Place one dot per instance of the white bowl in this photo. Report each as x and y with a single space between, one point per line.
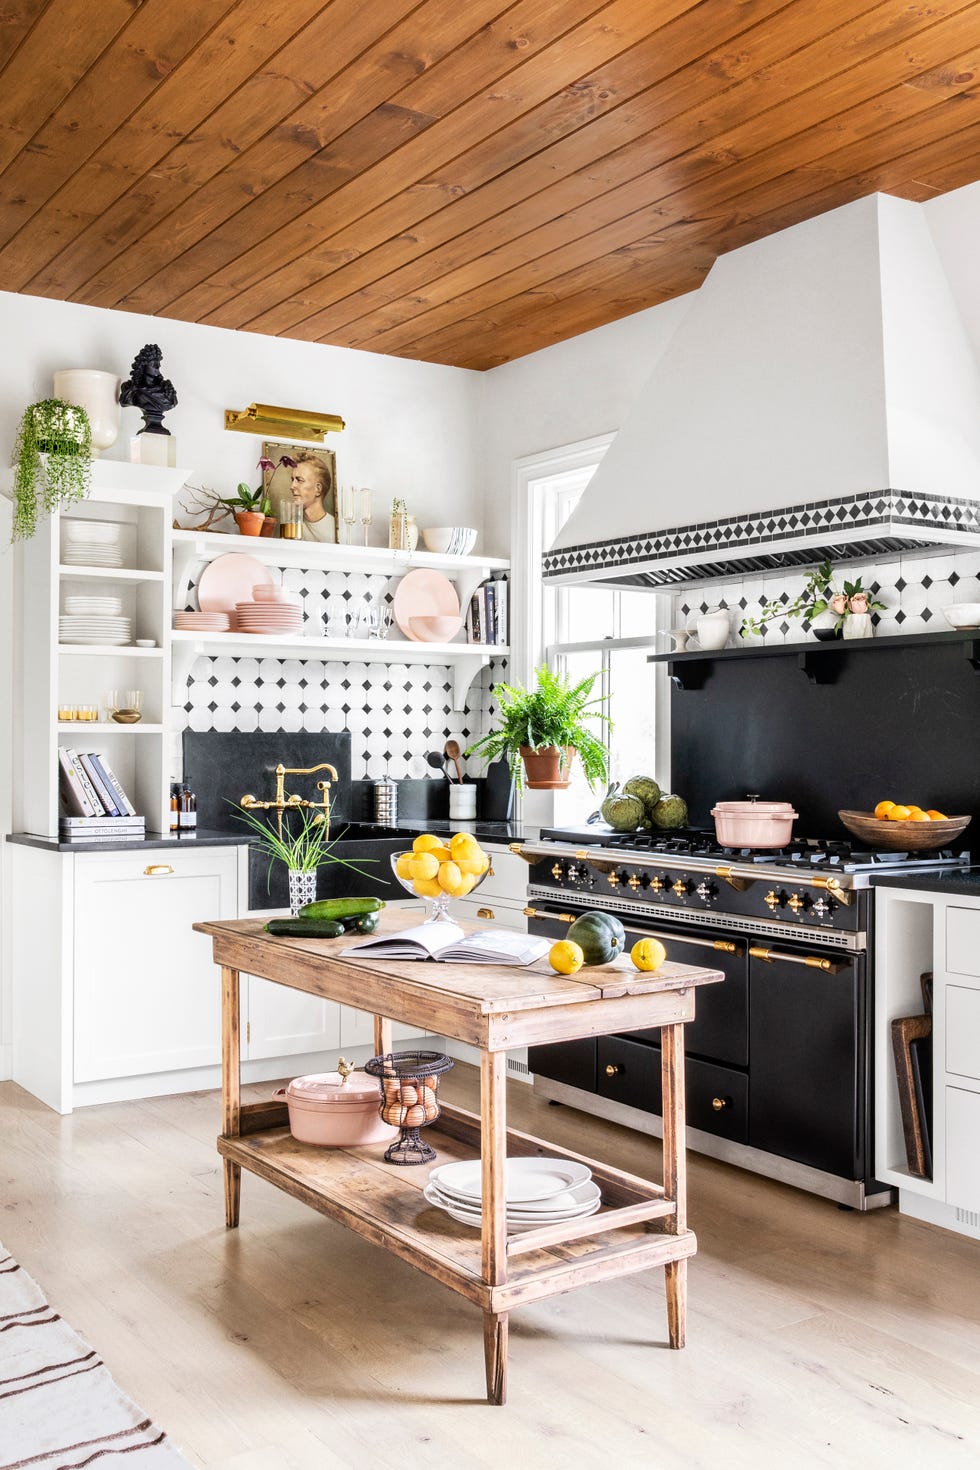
449 540
963 615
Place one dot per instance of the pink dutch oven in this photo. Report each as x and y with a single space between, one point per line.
336 1110
754 823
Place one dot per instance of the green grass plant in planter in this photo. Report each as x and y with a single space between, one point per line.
553 715
52 462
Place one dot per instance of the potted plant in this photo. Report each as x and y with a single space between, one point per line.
540 730
826 611
52 462
300 839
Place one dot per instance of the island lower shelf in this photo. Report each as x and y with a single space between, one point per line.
384 1203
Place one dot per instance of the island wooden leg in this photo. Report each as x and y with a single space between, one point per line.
382 1036
675 1176
231 1087
493 1152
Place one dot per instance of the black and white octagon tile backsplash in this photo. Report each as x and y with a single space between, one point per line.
395 712
914 588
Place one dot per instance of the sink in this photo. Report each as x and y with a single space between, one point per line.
357 842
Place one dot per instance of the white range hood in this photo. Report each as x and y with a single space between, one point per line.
819 399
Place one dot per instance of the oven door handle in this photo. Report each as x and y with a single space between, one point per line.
724 946
810 961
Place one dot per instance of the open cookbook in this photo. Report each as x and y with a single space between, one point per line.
446 941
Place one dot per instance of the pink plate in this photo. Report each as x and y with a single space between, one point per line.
229 579
423 594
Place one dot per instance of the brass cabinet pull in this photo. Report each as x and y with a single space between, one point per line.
614 1069
485 914
721 1103
155 869
832 886
724 946
532 913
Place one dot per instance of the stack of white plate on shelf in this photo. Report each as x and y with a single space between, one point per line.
91 544
204 622
276 619
538 1192
93 629
98 607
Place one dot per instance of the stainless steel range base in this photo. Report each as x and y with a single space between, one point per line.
800 1176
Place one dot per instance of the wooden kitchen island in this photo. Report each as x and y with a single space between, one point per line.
641 1224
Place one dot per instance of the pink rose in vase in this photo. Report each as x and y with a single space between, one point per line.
838 604
859 602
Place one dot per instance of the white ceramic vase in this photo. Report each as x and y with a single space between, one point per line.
858 625
98 394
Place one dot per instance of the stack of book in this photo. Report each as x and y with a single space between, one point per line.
95 806
487 615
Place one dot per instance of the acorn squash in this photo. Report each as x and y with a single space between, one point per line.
600 936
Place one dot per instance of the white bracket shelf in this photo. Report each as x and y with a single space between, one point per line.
465 659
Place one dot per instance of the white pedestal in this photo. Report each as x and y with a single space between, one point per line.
155 449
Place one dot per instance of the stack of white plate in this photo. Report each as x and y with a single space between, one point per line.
216 622
538 1192
278 619
99 607
94 629
91 544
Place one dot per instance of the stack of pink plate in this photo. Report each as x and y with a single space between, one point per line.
280 619
204 622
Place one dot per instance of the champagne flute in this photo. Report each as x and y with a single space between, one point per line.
348 510
365 508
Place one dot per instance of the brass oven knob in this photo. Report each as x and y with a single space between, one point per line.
614 879
656 884
557 870
721 1103
796 903
614 1069
771 899
633 882
680 888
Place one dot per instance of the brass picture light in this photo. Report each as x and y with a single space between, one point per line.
267 418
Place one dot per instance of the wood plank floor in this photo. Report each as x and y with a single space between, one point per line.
815 1337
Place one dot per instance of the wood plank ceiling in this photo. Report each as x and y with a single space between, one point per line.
456 181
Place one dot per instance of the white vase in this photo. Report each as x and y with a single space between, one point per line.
858 625
98 394
302 889
824 625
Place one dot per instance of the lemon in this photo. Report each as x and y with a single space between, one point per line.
403 865
935 816
566 957
467 883
426 842
648 954
423 865
441 854
899 814
476 866
883 808
450 879
427 888
465 845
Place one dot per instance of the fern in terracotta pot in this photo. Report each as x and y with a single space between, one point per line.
52 462
540 730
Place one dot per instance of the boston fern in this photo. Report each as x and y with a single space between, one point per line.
554 713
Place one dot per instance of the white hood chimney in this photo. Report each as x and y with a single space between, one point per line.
820 398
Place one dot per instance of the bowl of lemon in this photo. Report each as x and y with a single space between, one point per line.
441 868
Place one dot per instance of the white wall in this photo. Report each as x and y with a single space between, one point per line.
410 425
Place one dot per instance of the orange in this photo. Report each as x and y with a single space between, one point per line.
883 809
920 816
913 808
899 813
935 816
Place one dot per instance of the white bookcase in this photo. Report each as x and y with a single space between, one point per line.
53 674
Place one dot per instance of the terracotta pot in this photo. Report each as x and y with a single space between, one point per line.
270 526
543 769
250 522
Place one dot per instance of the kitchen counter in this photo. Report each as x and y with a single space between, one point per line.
171 840
952 880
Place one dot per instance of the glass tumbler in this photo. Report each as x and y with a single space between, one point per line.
290 520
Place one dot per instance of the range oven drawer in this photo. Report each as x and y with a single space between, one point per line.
717 1097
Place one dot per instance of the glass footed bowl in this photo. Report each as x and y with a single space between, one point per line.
438 903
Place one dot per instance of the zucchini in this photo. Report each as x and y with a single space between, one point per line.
306 928
362 923
340 908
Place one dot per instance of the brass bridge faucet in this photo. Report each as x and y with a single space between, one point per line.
283 802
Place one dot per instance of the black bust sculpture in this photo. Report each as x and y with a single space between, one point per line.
148 390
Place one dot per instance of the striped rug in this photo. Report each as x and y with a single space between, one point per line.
59 1406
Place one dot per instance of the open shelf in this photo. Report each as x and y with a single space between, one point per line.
819 661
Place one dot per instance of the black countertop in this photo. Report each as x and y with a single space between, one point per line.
155 841
954 880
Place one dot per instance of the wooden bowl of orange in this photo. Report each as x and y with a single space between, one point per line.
912 833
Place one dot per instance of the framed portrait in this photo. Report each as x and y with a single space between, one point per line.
319 470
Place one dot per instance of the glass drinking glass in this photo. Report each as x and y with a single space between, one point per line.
290 520
338 623
66 712
364 506
348 510
124 706
366 620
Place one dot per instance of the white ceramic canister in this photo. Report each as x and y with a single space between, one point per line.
714 628
462 800
98 394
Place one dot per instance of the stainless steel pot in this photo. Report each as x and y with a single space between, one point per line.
754 823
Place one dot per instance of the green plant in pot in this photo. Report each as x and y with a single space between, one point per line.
540 729
52 460
299 838
823 607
